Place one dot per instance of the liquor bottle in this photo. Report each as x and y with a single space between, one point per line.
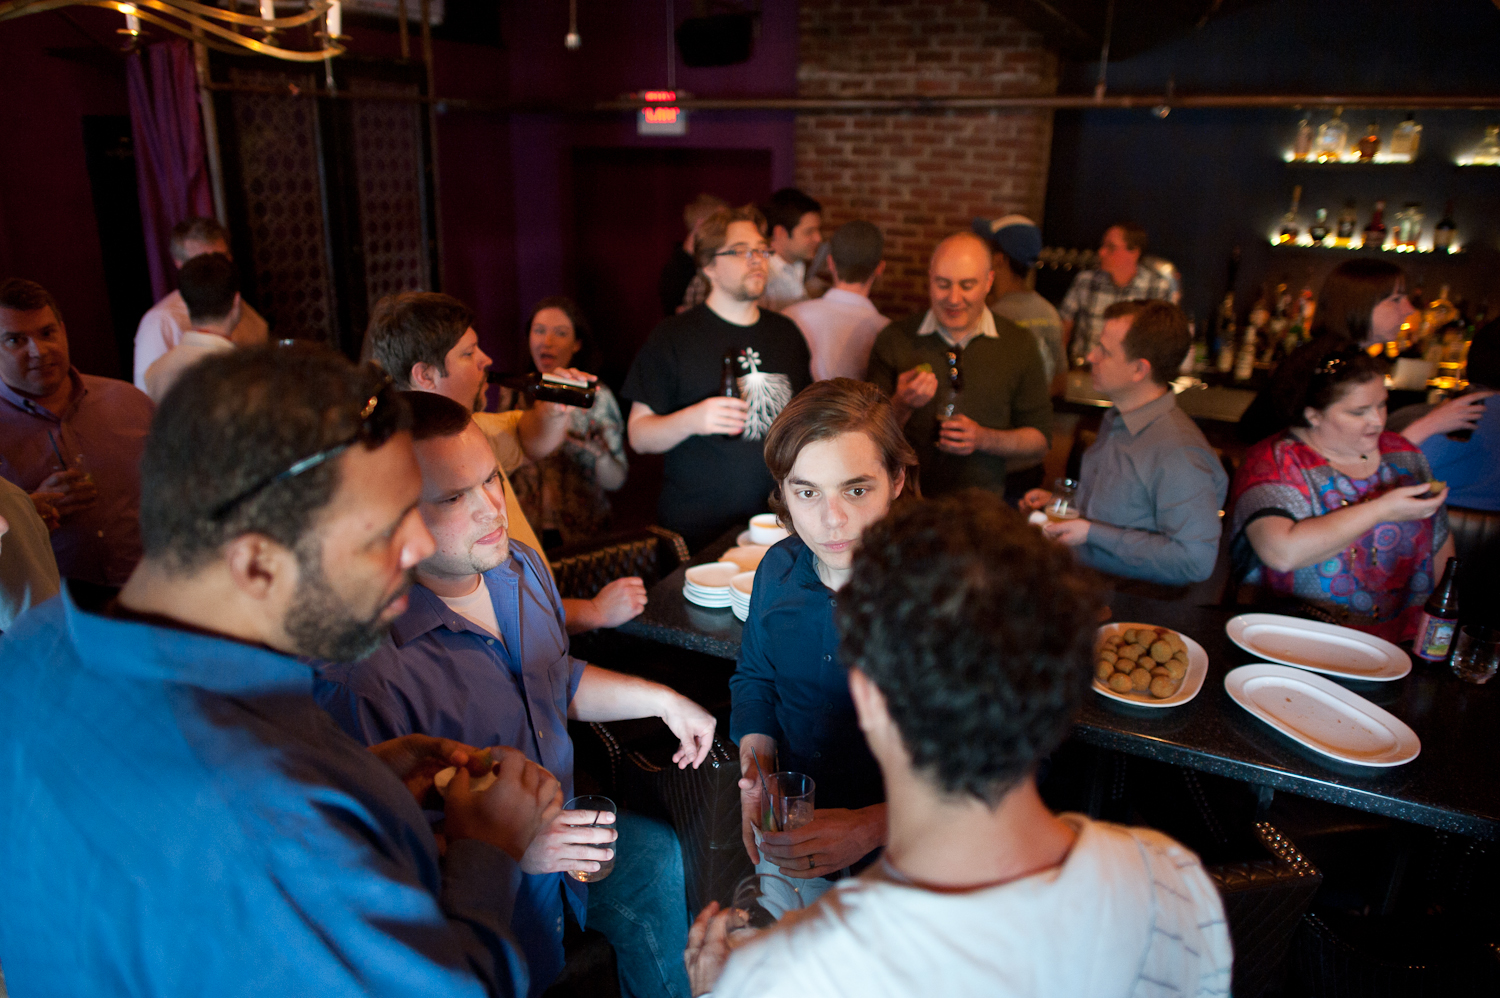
1442 233
729 384
1409 225
1343 236
1319 229
1374 234
1438 314
1303 146
1406 138
547 388
1289 229
1370 144
1488 153
1439 618
1224 334
1333 138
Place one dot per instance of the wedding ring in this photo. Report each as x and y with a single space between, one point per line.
810 863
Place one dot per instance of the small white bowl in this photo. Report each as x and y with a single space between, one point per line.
765 530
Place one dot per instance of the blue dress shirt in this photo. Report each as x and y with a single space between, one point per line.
177 816
789 683
439 674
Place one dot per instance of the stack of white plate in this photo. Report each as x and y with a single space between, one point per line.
747 556
708 585
739 593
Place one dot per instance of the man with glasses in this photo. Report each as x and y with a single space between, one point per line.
184 818
715 474
968 386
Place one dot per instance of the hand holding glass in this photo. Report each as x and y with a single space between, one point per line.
599 805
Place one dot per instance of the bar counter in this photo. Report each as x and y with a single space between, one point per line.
1453 785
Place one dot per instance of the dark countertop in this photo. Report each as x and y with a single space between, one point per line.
1453 785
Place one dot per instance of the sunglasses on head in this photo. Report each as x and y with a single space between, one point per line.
955 373
377 423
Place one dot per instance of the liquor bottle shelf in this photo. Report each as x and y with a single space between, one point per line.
1280 247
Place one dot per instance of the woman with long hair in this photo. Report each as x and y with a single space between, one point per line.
563 495
839 460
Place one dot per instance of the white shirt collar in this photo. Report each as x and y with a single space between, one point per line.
780 266
986 327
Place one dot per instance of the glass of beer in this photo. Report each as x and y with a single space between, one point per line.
1064 504
598 805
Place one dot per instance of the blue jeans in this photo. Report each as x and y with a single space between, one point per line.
642 909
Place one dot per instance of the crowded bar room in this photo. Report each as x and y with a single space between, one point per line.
786 498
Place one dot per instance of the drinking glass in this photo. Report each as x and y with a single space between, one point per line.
601 805
759 900
791 802
1063 505
1476 654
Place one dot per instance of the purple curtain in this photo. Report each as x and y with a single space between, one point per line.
170 170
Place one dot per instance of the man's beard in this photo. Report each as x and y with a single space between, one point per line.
322 625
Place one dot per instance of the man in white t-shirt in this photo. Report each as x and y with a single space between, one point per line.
210 286
840 327
426 342
981 890
162 326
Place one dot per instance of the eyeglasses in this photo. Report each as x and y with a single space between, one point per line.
747 254
955 373
377 424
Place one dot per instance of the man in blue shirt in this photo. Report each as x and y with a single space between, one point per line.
482 655
177 816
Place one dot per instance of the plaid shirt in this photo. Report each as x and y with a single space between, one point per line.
1093 291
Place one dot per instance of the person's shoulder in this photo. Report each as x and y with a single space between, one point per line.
903 328
1395 443
776 324
501 422
121 396
782 556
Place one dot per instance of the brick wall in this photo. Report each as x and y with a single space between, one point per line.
920 175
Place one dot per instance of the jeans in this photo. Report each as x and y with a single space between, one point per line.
642 909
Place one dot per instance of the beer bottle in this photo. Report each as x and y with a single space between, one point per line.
1439 618
729 385
547 388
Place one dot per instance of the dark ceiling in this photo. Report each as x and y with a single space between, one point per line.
1076 28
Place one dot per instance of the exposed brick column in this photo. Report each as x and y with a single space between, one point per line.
920 175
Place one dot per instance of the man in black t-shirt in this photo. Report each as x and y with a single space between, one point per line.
715 473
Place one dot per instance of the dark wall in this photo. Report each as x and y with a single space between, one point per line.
1206 181
48 231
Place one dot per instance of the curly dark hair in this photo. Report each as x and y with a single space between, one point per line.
978 631
232 421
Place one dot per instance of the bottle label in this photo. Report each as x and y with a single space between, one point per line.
1434 637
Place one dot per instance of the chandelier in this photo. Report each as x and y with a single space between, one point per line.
223 30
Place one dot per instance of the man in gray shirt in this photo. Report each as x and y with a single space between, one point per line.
1017 243
1151 487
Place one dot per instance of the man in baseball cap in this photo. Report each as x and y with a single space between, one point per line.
1016 243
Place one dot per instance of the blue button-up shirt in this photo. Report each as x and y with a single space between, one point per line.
789 683
439 674
177 816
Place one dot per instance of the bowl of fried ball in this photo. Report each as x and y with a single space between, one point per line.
1147 665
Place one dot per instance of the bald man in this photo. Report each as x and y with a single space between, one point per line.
967 385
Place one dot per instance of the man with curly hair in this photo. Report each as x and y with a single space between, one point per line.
968 638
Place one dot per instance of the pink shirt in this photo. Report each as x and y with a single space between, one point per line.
106 422
840 329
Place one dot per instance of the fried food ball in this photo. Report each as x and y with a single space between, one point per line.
1108 656
1161 651
1125 665
1103 671
1132 651
1121 683
1160 670
1162 687
1176 669
1140 679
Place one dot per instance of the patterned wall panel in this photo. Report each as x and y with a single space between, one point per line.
278 160
388 158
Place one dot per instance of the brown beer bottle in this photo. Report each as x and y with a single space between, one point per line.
1439 618
547 388
729 385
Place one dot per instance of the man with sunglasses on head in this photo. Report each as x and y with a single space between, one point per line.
967 385
715 474
179 815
